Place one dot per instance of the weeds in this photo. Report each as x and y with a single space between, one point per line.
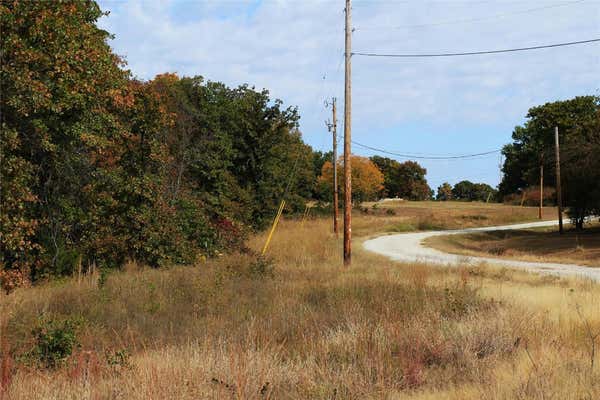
262 267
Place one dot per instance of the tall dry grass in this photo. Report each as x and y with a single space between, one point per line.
230 328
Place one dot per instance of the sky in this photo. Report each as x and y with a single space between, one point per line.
426 106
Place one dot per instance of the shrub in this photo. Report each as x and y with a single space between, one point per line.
262 267
118 360
54 342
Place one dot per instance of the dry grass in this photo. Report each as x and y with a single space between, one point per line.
312 330
530 245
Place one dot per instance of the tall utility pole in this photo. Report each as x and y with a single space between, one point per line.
335 181
558 189
347 139
541 186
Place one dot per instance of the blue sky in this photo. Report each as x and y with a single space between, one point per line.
435 106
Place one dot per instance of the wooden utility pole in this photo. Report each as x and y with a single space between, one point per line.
541 186
558 189
347 139
335 181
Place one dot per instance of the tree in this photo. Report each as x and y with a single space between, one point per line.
581 172
444 192
469 191
61 85
533 143
367 179
406 180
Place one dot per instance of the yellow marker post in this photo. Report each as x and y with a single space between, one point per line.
275 221
305 215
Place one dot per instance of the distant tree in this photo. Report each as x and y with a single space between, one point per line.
367 179
469 191
463 190
484 192
406 180
444 192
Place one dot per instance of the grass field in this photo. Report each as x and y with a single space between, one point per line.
545 245
300 326
405 216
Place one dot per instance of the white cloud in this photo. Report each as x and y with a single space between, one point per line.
288 46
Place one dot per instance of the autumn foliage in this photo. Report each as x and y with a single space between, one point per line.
367 179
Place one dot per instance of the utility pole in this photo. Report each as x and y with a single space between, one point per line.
347 139
335 181
541 186
558 189
332 127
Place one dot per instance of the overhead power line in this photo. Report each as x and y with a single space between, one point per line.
404 155
469 20
473 53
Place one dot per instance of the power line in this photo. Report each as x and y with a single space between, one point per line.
472 53
469 20
426 157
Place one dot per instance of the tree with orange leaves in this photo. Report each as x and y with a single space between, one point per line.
367 179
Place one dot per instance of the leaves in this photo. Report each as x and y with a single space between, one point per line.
367 179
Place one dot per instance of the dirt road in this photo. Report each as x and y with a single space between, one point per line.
408 247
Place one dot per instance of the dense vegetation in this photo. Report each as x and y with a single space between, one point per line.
98 167
578 121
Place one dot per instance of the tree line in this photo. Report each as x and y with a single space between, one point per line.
374 178
98 167
466 191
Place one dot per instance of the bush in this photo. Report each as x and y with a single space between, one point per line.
262 267
54 342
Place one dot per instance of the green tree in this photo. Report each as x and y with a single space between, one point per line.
469 191
406 180
60 87
533 143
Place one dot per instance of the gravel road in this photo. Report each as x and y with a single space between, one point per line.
408 247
